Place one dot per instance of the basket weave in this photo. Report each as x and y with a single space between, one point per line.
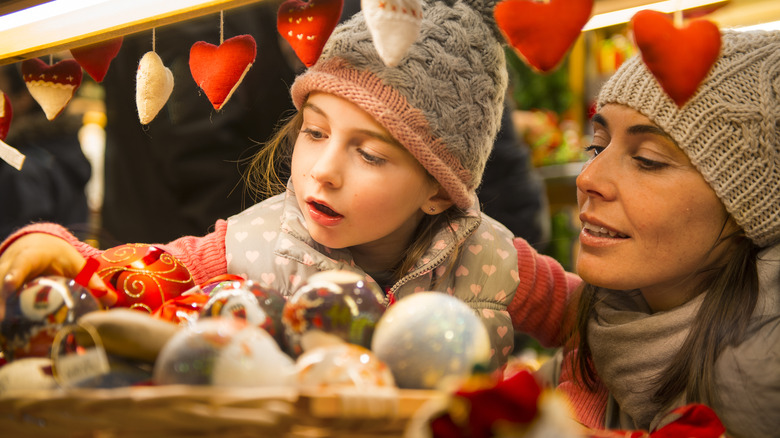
187 411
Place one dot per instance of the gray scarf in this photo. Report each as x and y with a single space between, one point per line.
632 346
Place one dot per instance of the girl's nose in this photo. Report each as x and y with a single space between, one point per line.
327 167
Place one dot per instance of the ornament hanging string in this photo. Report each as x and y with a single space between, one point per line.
154 39
678 14
221 27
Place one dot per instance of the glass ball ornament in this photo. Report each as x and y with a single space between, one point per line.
332 304
248 300
222 352
342 364
429 337
38 310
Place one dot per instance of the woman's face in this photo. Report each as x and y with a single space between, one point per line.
650 221
357 187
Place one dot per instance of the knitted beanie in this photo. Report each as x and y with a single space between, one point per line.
442 101
730 129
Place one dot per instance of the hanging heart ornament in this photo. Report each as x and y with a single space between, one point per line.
6 114
218 70
153 86
678 58
394 26
542 32
307 25
96 58
51 86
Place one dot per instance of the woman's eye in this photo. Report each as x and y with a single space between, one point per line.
313 133
593 150
647 164
370 159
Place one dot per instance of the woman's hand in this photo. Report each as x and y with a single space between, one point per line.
37 254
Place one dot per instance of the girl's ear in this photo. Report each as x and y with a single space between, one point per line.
437 203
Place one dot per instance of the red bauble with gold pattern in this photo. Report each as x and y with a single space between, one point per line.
144 276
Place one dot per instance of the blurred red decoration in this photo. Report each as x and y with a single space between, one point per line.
144 276
679 58
6 114
96 58
542 32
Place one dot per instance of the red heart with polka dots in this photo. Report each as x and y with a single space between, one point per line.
219 70
95 58
542 33
307 25
678 58
51 86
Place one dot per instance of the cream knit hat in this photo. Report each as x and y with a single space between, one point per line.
730 129
443 101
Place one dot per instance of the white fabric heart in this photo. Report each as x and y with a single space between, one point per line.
154 84
394 26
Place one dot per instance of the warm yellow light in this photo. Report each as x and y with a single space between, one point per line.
624 15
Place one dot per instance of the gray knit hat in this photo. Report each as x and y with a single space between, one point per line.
730 129
442 101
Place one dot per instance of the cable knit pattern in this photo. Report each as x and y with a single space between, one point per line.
730 129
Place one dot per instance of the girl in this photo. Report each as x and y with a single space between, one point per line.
384 165
680 249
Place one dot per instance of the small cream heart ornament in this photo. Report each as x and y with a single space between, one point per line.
153 87
394 26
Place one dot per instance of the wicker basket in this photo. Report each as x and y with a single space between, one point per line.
179 411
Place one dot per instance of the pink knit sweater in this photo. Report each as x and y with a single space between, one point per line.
543 307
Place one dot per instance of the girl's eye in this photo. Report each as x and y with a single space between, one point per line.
313 133
370 159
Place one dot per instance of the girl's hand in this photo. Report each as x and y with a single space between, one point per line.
37 254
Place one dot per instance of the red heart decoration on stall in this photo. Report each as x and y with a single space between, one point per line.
6 114
308 25
542 33
218 70
678 58
95 58
51 86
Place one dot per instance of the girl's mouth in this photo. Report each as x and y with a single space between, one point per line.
323 215
324 209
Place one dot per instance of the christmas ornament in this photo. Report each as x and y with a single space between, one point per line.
340 365
27 374
428 337
184 309
38 311
51 86
679 58
307 25
96 58
153 87
144 276
542 32
332 306
394 26
244 299
218 70
223 352
6 114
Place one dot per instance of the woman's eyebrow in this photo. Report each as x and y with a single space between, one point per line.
649 129
598 118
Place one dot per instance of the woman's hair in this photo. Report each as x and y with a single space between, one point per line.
267 173
722 320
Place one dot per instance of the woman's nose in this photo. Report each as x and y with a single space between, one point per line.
596 179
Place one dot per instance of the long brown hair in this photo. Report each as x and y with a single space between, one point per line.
722 320
267 173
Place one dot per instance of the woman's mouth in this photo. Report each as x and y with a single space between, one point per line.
599 231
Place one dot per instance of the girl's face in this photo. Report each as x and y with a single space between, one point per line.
357 187
650 221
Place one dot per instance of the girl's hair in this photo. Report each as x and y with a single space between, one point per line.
267 173
722 320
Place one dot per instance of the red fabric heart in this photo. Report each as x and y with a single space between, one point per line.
51 86
218 70
542 33
95 58
679 58
308 25
6 114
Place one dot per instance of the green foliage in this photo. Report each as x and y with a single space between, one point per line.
532 90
